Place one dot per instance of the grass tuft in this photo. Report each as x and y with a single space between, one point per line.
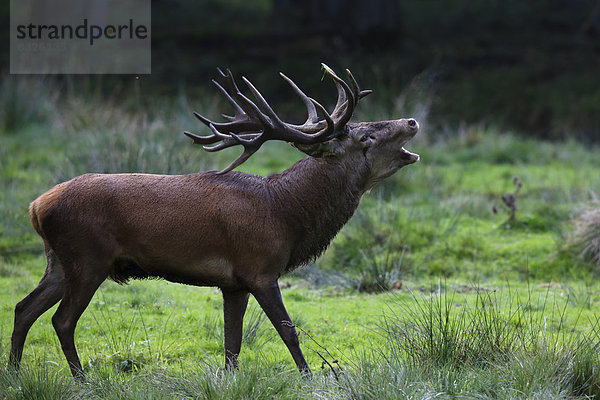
433 332
44 382
587 235
380 274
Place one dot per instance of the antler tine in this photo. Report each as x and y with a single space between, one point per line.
342 99
345 105
358 94
330 124
203 119
364 93
236 106
204 140
262 102
249 108
355 89
238 161
227 76
208 122
313 118
240 122
251 144
230 139
250 147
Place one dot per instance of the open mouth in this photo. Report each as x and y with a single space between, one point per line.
409 157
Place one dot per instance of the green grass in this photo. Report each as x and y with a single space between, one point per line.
425 293
448 340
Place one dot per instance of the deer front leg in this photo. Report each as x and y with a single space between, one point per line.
234 307
269 298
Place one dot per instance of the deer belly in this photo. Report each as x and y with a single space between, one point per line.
206 272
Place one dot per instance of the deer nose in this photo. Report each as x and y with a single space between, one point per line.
413 126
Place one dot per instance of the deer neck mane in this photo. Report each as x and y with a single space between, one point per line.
316 197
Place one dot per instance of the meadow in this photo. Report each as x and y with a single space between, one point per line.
432 290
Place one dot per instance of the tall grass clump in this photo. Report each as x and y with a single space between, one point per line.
434 332
587 235
503 348
42 382
380 273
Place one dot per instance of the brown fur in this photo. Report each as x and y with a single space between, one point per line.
40 207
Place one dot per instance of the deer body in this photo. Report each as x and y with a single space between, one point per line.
138 221
236 231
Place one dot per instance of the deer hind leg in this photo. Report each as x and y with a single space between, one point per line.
234 308
78 293
48 292
269 298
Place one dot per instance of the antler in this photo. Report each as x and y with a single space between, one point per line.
254 123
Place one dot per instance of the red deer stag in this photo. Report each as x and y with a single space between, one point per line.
233 230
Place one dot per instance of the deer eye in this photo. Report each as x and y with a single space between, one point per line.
365 137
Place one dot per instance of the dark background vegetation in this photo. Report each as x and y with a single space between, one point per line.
529 66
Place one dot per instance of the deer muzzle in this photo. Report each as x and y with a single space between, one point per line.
409 128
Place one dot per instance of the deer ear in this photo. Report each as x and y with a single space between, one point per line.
318 150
